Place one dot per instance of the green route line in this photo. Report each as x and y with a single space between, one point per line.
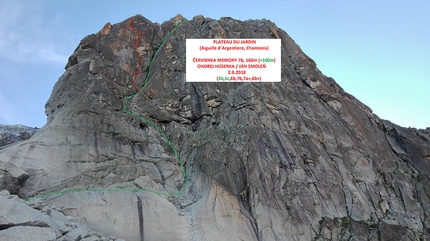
184 187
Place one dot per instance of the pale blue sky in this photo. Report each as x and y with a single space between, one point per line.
378 51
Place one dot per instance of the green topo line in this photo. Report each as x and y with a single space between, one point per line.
184 187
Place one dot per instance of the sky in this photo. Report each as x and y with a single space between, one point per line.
378 51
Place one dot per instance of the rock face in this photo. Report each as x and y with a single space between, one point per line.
296 160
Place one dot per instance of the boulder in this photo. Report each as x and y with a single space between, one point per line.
12 178
14 212
25 233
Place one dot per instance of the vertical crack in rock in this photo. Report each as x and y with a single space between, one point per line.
195 103
141 223
284 152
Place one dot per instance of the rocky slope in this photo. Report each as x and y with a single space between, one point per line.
13 133
13 178
296 160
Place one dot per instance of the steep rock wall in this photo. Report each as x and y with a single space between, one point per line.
296 160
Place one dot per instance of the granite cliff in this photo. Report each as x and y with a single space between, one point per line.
296 160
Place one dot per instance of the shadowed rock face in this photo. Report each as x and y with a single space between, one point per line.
296 160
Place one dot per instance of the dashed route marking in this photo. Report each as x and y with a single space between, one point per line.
124 103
